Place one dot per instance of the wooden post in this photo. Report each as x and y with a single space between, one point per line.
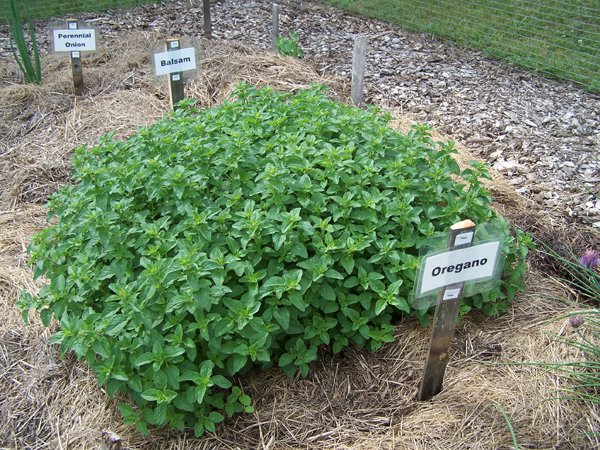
275 25
207 20
110 441
73 24
358 68
444 320
175 79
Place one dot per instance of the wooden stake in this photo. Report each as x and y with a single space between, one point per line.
207 20
275 25
358 68
444 320
175 79
73 24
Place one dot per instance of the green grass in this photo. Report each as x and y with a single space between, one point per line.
557 38
42 9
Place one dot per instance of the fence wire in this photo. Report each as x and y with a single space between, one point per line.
557 38
42 9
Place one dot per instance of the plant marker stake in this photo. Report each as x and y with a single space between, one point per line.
207 21
73 24
275 25
175 79
444 320
358 68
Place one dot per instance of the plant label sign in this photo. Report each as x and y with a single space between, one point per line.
472 264
74 40
175 61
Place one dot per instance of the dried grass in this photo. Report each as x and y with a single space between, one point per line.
354 400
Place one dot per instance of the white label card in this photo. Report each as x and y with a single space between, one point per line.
81 40
175 61
457 266
451 294
464 238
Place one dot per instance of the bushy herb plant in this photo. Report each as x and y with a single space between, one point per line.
249 234
289 46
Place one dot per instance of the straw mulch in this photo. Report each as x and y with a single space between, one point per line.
354 400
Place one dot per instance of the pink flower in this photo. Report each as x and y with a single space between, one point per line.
576 321
590 259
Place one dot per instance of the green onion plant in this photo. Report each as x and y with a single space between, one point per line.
27 60
582 331
581 274
583 373
509 425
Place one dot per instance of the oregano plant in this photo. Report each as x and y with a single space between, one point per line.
248 234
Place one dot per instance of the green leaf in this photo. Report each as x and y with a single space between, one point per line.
209 426
347 263
151 394
185 405
173 374
375 276
142 428
135 383
401 304
59 283
198 429
238 362
146 358
160 414
297 300
245 400
221 381
200 392
282 315
334 274
215 417
160 379
298 249
46 315
286 359
380 305
159 395
327 292
376 285
113 386
351 282
127 410
177 421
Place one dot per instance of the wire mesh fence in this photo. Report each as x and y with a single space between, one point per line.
557 38
41 9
